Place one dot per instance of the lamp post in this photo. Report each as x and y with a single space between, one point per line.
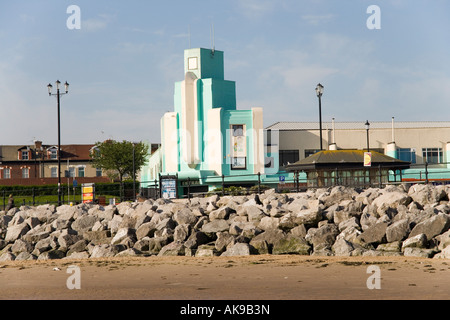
319 92
367 125
58 95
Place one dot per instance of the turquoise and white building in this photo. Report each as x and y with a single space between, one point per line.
206 137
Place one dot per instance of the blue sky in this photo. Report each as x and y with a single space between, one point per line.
123 62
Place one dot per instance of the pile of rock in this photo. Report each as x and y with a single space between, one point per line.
340 221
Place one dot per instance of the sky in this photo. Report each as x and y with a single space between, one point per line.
124 59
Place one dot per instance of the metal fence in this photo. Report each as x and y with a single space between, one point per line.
108 193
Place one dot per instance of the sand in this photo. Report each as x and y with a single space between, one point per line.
262 277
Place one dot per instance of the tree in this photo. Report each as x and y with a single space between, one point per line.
120 159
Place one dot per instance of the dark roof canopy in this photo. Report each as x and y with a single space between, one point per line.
351 159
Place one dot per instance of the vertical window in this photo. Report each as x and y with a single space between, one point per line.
239 147
25 173
25 155
288 156
81 172
432 155
406 154
7 173
53 153
238 130
98 172
54 172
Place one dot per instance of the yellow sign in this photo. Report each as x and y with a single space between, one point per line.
367 159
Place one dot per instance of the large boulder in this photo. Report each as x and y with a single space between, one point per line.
14 232
375 234
427 194
291 245
433 226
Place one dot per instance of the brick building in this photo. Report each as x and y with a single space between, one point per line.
37 164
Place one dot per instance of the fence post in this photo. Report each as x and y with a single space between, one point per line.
259 182
223 185
380 176
426 172
32 191
189 188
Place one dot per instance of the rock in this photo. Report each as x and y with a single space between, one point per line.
7 256
98 237
105 250
146 230
155 244
375 234
185 216
342 247
418 252
322 237
433 226
427 194
291 245
83 223
51 255
122 234
181 232
239 249
196 239
174 248
217 225
267 223
398 231
16 231
24 256
21 246
223 240
221 213
130 252
418 241
395 246
206 250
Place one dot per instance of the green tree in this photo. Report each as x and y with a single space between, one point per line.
120 159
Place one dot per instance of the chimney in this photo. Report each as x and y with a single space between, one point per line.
38 144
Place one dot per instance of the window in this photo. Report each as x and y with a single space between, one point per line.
53 153
238 163
406 154
310 152
25 173
432 155
193 63
269 163
54 172
98 172
288 156
25 155
7 173
238 130
81 172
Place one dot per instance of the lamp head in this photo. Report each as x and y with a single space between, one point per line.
319 90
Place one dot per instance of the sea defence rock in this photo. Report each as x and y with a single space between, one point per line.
341 221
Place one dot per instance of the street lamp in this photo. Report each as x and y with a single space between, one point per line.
58 94
319 92
367 125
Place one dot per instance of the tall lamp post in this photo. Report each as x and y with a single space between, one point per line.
367 125
319 92
58 94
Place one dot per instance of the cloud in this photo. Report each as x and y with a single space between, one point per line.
255 9
97 24
316 20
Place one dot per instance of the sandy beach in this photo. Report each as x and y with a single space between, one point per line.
261 277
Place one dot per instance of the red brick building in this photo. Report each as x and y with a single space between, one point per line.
38 164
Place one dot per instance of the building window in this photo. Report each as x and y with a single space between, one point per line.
81 172
53 153
238 163
25 173
54 172
406 154
310 152
192 63
269 163
238 130
25 155
288 156
7 173
432 155
98 172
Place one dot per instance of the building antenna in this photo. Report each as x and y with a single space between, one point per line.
189 35
213 46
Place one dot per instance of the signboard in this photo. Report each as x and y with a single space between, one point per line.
169 188
88 192
367 159
282 179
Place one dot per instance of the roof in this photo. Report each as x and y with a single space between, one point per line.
360 125
346 159
79 152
